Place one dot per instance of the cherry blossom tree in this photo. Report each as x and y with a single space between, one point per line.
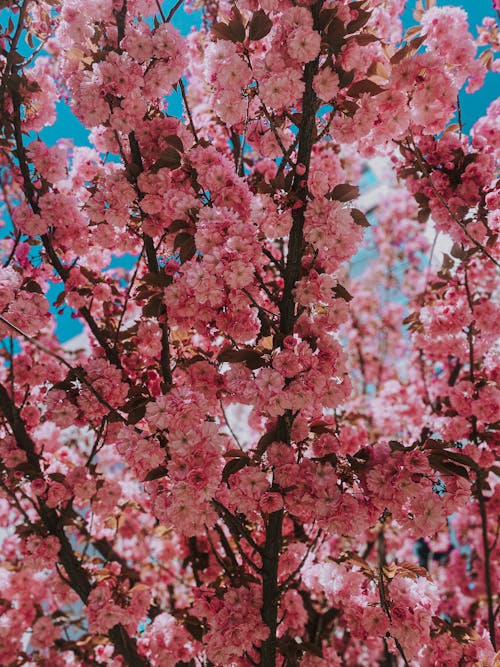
266 452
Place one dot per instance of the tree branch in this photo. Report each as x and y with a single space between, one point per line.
29 191
153 266
274 522
77 576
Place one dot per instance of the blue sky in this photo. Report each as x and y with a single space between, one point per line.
473 106
67 125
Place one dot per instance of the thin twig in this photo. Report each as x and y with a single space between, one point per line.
487 561
235 437
231 520
239 163
423 165
459 117
291 577
161 11
17 503
79 374
188 111
173 10
127 298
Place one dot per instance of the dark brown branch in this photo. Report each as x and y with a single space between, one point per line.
487 560
127 298
277 262
10 67
241 551
299 190
286 158
235 526
77 576
151 260
236 141
16 502
17 233
171 13
274 522
127 647
227 548
30 194
381 559
480 477
120 17
381 562
160 11
188 111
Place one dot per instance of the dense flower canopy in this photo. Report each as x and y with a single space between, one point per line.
264 452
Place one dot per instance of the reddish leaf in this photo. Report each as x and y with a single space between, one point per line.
233 31
260 25
365 38
233 467
362 18
359 217
344 192
342 293
345 78
264 443
136 415
365 86
169 158
177 225
186 245
176 142
156 473
325 17
250 357
154 306
408 50
30 285
334 35
447 467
